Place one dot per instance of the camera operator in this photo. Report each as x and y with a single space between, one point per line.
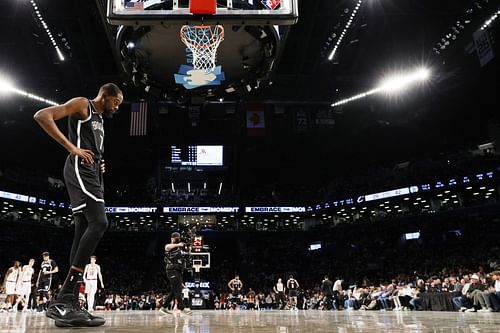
175 263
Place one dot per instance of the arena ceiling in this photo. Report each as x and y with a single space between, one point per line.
455 109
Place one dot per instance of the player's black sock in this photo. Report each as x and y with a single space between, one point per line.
71 283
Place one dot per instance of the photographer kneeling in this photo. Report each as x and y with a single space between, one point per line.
175 263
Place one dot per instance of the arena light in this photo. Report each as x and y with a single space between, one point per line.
7 87
401 81
490 20
47 30
391 84
342 35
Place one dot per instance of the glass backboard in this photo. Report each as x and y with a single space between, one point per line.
236 12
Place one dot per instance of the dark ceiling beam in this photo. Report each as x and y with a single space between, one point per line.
110 35
88 49
306 51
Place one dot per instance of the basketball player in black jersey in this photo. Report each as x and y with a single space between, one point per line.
235 285
292 286
83 175
174 260
48 267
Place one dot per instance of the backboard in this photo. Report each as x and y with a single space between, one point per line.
228 12
203 258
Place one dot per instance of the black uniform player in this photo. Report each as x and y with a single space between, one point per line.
48 268
235 285
174 260
292 286
327 290
83 176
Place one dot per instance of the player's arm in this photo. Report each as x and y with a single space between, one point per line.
229 285
169 247
288 283
38 278
47 117
19 275
5 278
298 285
85 272
55 269
241 284
100 275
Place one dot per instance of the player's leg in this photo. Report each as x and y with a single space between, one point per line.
45 296
80 227
8 301
91 295
95 216
27 294
68 296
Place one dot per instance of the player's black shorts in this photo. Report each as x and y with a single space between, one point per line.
292 293
84 181
44 287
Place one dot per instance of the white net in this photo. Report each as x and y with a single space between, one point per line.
203 42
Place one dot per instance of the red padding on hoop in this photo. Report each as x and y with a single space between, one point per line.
199 7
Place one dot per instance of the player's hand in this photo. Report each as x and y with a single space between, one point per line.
102 286
46 273
102 167
85 154
181 244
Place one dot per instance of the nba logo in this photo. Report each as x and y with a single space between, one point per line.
271 4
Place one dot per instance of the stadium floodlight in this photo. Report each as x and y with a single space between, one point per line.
6 87
391 84
47 30
490 20
401 81
344 31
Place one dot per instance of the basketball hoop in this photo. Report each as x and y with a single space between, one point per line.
203 41
197 265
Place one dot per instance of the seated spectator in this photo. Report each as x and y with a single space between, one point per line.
489 299
416 301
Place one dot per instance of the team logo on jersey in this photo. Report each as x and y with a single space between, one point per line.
97 125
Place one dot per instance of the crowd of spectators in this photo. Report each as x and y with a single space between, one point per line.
374 260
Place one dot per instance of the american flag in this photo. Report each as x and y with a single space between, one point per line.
134 5
138 119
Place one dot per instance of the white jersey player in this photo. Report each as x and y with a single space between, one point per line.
10 283
24 284
90 275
